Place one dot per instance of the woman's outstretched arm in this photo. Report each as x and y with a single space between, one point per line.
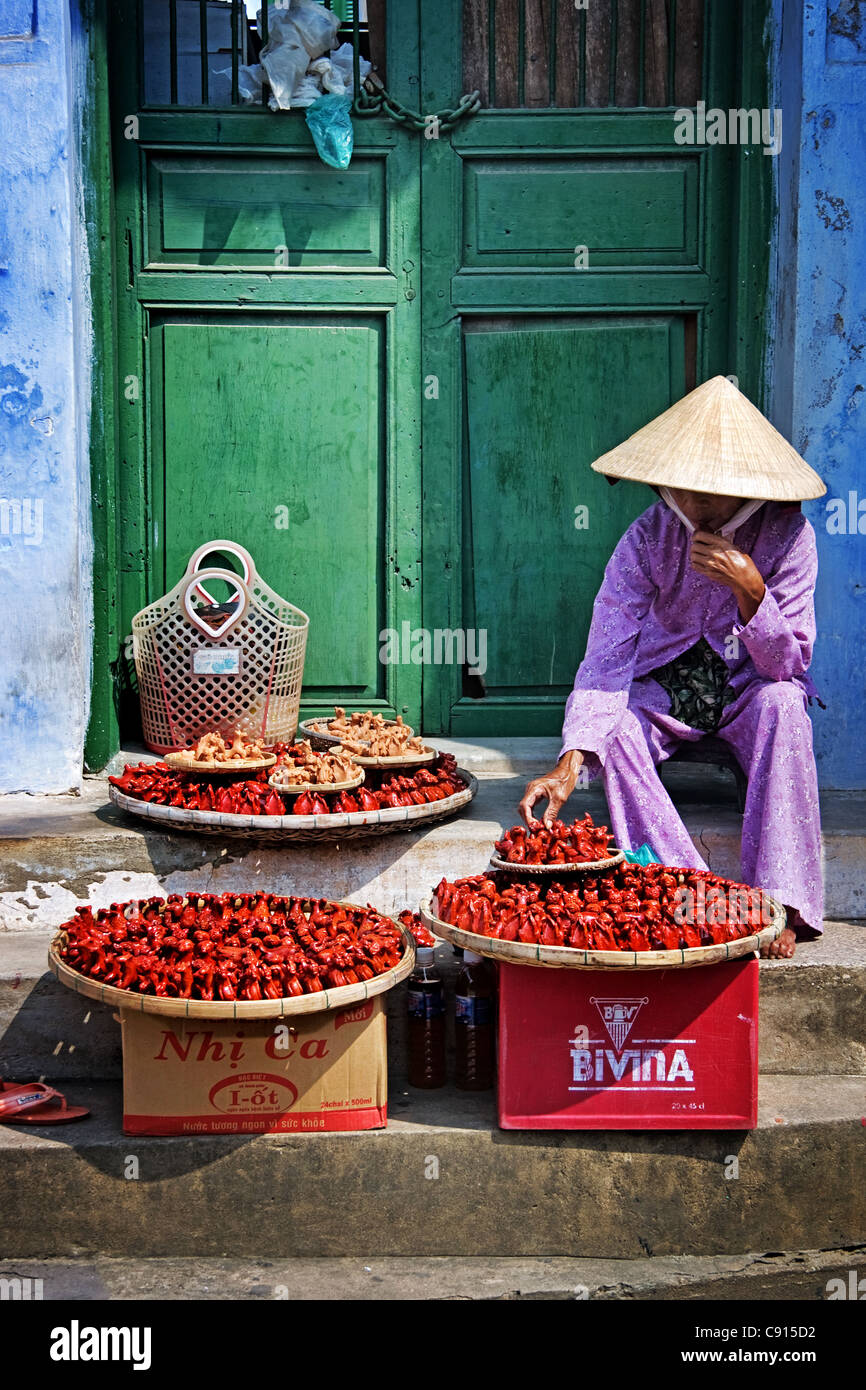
601 687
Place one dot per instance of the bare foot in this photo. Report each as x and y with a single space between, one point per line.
782 948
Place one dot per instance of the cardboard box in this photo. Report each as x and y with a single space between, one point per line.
609 1049
316 1072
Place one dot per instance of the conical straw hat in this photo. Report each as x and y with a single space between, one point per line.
714 440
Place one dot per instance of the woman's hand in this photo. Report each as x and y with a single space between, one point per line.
720 560
556 786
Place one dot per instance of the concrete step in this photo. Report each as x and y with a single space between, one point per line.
57 851
811 1016
581 1195
802 1276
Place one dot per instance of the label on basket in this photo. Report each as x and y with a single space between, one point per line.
216 661
423 1005
475 1010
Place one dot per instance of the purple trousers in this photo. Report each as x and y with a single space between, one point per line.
769 730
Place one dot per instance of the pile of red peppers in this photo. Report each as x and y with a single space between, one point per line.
631 907
159 783
413 923
580 843
232 946
253 797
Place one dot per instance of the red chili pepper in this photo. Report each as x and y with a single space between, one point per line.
560 844
251 945
156 782
620 909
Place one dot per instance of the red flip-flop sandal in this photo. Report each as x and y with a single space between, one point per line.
36 1104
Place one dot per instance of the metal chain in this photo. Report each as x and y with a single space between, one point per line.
381 102
374 103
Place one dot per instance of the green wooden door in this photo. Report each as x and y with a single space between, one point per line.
578 278
269 351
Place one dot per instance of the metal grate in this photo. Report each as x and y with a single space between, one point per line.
192 50
614 54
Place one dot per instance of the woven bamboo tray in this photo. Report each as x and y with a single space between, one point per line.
318 729
298 829
297 788
398 760
569 957
182 762
588 866
132 1002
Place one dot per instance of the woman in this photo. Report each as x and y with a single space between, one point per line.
705 623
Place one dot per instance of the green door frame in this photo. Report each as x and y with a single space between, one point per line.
98 185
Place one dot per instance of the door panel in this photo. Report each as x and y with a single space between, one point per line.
530 212
274 212
585 258
544 399
269 358
272 430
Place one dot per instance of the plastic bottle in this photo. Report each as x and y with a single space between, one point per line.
473 1024
426 1023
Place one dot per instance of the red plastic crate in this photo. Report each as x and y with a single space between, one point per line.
604 1049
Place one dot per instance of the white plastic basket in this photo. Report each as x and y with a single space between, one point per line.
240 671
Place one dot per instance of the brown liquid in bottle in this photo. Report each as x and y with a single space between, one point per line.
426 1023
474 1024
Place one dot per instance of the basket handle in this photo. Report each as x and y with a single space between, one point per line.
193 581
222 547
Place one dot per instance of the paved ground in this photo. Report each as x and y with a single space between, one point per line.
801 1276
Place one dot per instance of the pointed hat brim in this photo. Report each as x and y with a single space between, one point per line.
714 440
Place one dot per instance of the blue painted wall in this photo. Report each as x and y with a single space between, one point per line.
818 360
45 356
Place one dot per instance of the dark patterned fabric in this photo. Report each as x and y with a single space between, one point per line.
697 683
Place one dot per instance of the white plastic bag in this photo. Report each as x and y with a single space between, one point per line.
249 81
327 77
296 62
295 36
316 26
284 60
341 62
308 90
336 72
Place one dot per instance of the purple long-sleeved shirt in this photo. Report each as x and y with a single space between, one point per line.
652 606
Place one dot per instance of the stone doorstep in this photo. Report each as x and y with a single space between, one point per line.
812 1018
591 1195
57 851
802 1276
